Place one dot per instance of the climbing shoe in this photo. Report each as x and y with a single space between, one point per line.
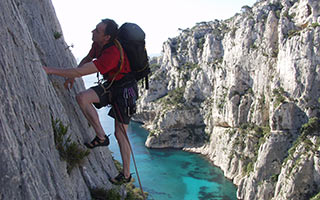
120 179
97 142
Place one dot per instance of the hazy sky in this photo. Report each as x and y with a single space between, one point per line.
159 19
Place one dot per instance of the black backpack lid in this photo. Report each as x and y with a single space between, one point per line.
131 32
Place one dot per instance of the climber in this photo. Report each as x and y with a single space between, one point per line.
119 90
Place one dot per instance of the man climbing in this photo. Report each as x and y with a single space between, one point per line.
119 90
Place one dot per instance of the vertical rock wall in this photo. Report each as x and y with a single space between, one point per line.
31 167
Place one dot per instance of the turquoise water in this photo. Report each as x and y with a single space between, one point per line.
169 174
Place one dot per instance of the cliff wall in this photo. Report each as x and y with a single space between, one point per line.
31 167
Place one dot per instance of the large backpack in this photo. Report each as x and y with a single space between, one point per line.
132 39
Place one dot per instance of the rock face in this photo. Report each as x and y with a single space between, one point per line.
239 91
31 167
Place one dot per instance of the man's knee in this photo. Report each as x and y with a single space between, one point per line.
87 97
81 98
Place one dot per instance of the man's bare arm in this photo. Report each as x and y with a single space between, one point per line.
70 81
85 69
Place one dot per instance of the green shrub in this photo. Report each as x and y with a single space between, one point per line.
258 133
118 165
174 97
278 12
152 133
275 53
311 127
154 67
279 96
253 46
249 167
231 131
277 7
274 178
317 197
200 43
102 194
134 193
315 25
233 32
308 129
292 33
57 35
290 17
69 151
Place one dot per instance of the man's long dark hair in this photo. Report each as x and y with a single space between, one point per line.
111 28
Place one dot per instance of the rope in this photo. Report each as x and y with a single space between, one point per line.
126 136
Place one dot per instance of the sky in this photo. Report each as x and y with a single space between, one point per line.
160 19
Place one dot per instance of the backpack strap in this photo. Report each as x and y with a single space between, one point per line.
120 64
109 44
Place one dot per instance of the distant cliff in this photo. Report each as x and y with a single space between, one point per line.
31 167
245 92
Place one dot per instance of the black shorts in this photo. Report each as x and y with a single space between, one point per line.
122 98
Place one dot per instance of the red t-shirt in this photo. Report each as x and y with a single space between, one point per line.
107 61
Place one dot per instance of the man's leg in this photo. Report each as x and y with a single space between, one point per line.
85 100
121 136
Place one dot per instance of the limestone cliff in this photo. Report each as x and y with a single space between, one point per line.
240 91
31 167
